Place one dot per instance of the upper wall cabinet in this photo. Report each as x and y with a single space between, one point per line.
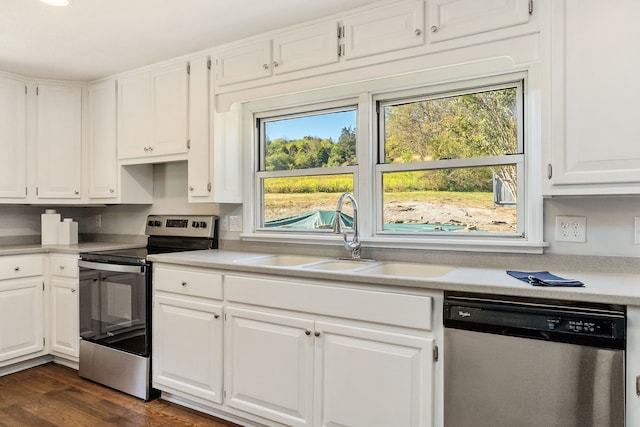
152 114
101 147
312 46
13 142
593 141
385 29
59 136
449 19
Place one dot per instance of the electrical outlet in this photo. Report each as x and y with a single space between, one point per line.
636 230
571 229
98 221
235 223
224 223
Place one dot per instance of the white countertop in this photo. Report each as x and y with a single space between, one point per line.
610 288
66 249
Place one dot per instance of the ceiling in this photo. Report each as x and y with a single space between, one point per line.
90 39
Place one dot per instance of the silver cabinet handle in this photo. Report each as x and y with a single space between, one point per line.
216 316
316 333
111 190
638 385
418 31
184 283
275 63
265 66
73 291
17 268
61 266
191 188
307 332
76 192
434 29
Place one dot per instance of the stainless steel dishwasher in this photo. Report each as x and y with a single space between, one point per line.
532 363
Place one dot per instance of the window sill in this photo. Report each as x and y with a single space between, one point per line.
491 245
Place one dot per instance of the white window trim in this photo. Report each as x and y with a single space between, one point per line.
496 69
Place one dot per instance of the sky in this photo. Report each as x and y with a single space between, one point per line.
323 126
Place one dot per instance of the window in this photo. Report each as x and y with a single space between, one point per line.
452 162
307 159
432 164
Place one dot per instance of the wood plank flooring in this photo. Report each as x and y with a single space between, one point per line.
54 395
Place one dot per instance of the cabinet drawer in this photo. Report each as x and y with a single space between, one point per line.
12 267
65 266
414 311
187 281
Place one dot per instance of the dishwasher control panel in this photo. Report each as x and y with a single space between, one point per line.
535 319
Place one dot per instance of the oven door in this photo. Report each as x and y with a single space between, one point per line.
115 306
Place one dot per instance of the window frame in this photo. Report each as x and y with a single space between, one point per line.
259 119
362 92
465 87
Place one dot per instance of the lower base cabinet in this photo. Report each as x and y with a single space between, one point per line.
187 341
302 372
21 317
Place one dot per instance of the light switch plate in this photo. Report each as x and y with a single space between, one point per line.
571 229
235 223
636 230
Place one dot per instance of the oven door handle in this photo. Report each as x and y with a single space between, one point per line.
119 268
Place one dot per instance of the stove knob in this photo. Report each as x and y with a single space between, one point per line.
195 224
203 224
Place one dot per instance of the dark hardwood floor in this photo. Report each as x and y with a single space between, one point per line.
54 395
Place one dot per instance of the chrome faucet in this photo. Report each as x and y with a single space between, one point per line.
354 244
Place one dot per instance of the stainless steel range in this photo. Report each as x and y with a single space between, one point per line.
115 302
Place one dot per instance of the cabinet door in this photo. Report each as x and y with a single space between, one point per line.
65 332
384 29
370 378
449 19
594 145
269 365
13 142
187 346
247 62
199 158
59 142
102 156
307 48
21 317
133 116
169 107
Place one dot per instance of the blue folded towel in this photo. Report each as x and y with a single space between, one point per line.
543 278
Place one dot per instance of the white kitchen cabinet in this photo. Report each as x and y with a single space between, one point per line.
593 140
152 114
169 109
304 353
450 19
21 307
367 377
200 124
384 29
215 154
134 115
188 333
59 141
64 306
269 365
249 61
102 145
13 139
309 47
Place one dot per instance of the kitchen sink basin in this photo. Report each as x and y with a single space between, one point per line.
339 265
407 269
283 260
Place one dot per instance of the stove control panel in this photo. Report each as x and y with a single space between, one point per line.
182 225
